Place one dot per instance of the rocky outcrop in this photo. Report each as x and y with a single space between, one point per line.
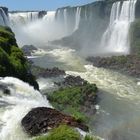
41 14
42 119
12 61
46 72
129 64
70 81
28 49
4 89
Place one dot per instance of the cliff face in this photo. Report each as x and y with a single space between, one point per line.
5 9
94 19
137 13
12 61
135 31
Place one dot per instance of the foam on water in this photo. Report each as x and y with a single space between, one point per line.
22 99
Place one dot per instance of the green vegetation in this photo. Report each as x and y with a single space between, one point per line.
63 132
88 137
71 100
12 60
135 36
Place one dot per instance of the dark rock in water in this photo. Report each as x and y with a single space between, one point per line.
46 73
4 89
28 49
41 14
40 120
129 64
70 81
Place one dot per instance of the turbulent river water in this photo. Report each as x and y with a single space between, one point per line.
119 106
118 112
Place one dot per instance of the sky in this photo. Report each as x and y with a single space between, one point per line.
41 4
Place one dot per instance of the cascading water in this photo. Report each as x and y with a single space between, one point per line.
65 21
50 16
116 37
3 18
20 18
77 18
15 106
29 29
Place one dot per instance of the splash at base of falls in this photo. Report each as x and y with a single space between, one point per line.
21 100
116 37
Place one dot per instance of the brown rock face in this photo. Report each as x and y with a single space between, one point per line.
40 120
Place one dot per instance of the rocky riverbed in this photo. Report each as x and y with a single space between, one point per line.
129 64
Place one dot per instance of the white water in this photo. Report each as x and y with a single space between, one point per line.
33 30
77 18
116 37
22 18
119 108
3 18
65 21
22 99
50 16
118 114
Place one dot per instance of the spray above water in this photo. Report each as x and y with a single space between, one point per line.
30 29
116 37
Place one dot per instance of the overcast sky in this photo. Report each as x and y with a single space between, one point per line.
40 4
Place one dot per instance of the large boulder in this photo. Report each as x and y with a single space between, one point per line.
28 49
40 120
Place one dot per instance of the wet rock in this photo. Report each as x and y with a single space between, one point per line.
42 119
28 49
41 14
129 64
46 73
70 81
4 89
5 9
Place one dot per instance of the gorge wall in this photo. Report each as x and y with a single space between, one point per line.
92 22
80 27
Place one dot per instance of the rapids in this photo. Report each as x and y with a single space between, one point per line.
15 106
119 106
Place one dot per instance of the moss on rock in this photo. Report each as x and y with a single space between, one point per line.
12 61
74 100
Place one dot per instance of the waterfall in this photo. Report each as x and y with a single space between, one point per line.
20 18
77 18
15 106
116 37
65 20
3 18
50 16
